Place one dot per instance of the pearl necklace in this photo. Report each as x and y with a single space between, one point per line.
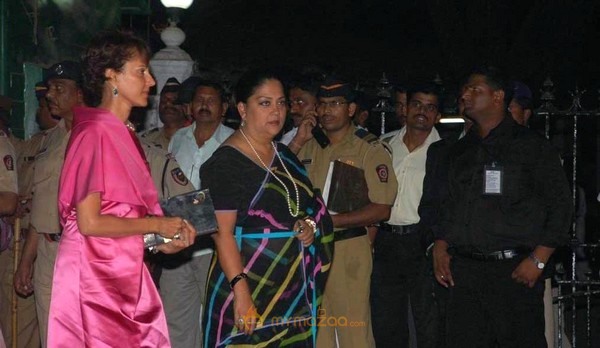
287 191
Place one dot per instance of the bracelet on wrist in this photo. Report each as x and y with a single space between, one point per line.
311 223
237 278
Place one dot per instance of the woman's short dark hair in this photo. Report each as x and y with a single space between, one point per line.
108 50
250 81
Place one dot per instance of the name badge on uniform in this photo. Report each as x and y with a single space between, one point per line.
492 179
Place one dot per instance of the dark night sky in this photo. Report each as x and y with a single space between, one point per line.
408 39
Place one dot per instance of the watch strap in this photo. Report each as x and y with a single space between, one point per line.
539 264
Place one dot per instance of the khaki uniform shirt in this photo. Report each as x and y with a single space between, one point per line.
46 176
366 153
166 174
16 143
25 163
155 137
8 172
26 153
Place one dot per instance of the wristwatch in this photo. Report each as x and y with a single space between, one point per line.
538 263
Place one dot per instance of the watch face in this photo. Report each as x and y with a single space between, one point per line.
541 265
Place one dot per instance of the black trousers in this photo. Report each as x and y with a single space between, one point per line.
487 308
402 273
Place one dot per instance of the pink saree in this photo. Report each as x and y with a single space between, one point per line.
102 294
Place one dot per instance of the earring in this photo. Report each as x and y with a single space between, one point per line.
243 124
115 91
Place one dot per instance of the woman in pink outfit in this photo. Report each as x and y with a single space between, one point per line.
103 295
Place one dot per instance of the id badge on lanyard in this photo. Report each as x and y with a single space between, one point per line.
492 179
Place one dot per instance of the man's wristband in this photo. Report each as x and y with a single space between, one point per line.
237 278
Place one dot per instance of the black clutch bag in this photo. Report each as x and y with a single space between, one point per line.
196 207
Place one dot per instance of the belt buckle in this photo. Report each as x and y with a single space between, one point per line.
400 230
508 254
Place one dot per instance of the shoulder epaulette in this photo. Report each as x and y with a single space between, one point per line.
366 136
387 140
372 139
387 147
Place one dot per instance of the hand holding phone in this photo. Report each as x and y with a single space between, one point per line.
320 136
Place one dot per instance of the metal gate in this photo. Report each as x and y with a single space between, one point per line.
575 297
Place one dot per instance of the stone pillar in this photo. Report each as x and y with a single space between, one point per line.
171 61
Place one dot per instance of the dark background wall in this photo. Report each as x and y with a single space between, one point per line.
408 39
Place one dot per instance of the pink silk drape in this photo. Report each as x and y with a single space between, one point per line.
102 294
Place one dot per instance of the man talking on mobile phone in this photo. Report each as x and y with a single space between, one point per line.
356 151
302 101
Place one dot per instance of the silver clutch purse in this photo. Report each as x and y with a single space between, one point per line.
196 207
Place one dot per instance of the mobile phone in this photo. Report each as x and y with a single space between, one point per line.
320 136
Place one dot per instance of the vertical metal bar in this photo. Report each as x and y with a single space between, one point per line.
573 233
547 129
588 296
382 123
560 316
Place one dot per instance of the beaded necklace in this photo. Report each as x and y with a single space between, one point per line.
287 191
130 126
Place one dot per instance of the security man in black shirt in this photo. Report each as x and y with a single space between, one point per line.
507 208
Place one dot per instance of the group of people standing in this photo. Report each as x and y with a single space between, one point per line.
451 235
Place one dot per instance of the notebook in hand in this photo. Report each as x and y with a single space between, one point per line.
196 207
348 189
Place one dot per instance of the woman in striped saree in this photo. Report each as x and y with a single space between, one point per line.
274 244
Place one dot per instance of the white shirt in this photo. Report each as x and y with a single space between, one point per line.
410 172
191 157
287 138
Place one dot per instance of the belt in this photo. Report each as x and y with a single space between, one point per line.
399 229
505 254
349 233
52 237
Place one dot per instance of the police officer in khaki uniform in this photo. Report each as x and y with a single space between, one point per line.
346 296
8 177
28 149
8 204
171 115
64 93
166 174
169 181
27 325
